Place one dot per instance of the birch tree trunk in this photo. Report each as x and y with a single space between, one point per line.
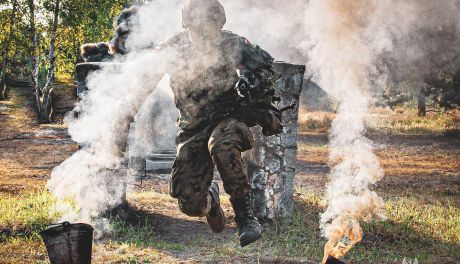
6 50
43 96
34 52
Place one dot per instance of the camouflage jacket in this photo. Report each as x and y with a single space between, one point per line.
203 79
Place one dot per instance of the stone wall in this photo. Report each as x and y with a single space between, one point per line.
271 163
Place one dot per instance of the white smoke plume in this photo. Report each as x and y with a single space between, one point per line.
92 177
347 41
341 55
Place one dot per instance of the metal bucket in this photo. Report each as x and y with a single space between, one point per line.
68 243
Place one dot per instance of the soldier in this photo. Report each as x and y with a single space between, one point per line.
220 81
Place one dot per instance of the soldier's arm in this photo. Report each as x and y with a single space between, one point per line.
149 70
152 67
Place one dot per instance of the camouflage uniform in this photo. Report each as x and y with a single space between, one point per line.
214 128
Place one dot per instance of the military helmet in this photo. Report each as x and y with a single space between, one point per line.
197 13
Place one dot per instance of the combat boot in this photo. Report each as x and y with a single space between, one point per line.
249 229
215 217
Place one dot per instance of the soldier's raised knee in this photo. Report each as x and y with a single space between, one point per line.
218 147
195 207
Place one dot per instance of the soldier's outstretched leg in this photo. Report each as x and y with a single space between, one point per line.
191 179
227 141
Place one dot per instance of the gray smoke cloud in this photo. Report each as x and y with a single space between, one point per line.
343 44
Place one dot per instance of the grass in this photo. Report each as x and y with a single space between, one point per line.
139 236
30 212
440 221
400 121
299 235
133 244
406 121
419 189
315 121
428 232
22 218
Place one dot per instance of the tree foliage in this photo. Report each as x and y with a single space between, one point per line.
434 72
79 22
7 39
42 38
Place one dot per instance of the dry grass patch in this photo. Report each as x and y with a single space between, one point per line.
401 121
405 121
319 122
20 250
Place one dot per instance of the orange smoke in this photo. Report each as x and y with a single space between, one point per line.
345 235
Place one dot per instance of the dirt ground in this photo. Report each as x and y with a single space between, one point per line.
28 150
419 168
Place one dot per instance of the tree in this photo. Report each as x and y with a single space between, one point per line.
433 71
5 51
43 96
443 79
444 88
41 39
421 103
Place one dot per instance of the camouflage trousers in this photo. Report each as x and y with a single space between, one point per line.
198 152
